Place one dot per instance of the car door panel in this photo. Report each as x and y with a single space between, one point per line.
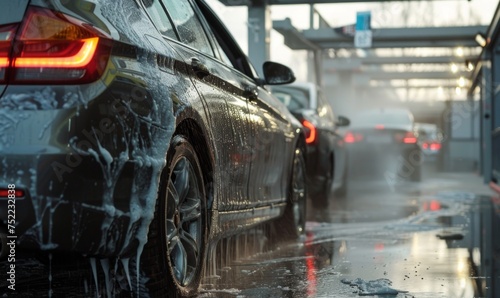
262 139
268 178
229 118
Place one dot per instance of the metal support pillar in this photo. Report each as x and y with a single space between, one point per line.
318 62
311 16
487 261
486 101
259 31
444 154
314 67
495 277
495 112
316 56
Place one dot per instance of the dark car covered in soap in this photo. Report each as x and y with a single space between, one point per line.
326 154
138 129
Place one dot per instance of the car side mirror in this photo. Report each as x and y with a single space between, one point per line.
343 121
277 74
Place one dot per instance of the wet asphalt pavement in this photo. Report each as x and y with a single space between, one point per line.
403 240
427 239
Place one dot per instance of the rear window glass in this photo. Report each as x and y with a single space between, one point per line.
294 99
384 117
188 25
159 18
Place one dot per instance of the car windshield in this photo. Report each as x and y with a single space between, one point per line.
295 99
427 132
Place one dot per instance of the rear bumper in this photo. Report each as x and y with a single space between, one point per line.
375 156
90 176
78 213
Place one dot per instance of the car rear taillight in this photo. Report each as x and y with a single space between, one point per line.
407 138
6 37
432 206
432 146
350 137
310 130
9 193
51 47
435 146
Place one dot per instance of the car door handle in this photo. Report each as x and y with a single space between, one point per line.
199 68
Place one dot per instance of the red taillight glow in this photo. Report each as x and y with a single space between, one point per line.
407 138
310 266
432 146
379 126
432 206
435 146
310 131
81 59
353 137
379 246
4 62
6 38
4 193
54 48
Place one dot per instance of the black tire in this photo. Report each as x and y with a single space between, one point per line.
293 222
178 233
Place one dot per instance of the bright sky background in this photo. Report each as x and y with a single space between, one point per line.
388 14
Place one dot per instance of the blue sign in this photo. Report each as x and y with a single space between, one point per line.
363 35
363 20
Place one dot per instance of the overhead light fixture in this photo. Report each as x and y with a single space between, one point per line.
440 90
481 39
458 91
454 68
461 82
459 52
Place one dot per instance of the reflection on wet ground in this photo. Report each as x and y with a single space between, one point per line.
436 238
428 239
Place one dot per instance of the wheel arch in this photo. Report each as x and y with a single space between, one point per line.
195 134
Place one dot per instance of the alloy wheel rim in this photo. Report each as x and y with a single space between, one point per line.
184 221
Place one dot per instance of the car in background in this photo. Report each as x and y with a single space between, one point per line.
326 157
429 139
138 130
383 136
